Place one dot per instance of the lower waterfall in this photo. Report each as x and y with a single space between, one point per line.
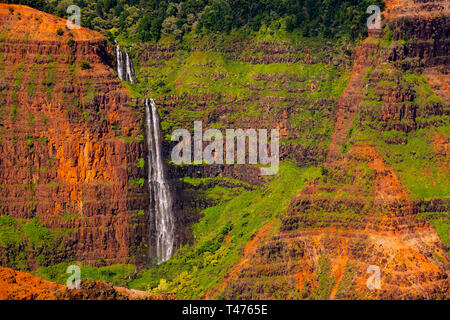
162 218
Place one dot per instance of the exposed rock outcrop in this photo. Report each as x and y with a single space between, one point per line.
16 285
71 139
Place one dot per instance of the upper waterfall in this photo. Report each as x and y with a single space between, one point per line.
162 215
125 68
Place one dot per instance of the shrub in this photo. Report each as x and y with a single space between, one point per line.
59 32
138 182
36 233
85 65
70 42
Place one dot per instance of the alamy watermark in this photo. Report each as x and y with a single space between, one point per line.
74 20
74 280
235 147
374 21
374 281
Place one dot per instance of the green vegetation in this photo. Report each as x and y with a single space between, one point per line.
36 233
13 114
411 153
85 65
70 42
140 163
243 87
39 243
138 182
156 19
325 279
207 181
441 222
251 86
19 75
194 269
89 97
115 274
411 146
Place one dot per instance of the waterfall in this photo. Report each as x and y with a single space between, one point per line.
159 188
120 66
129 67
125 68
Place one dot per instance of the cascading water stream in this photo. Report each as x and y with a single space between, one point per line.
125 68
159 187
129 67
120 65
160 198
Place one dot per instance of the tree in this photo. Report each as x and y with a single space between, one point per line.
170 27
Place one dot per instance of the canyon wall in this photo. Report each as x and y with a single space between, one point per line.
363 213
71 139
372 120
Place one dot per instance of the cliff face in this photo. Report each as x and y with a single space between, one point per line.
325 245
364 212
424 27
73 157
71 140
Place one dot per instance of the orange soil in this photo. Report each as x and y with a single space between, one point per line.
442 148
31 24
399 8
15 285
390 6
227 239
441 144
339 267
304 275
387 185
394 243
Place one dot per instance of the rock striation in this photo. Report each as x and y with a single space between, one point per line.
71 139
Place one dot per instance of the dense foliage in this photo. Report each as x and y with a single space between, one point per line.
147 20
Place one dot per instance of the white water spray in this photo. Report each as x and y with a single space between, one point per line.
125 68
129 67
159 187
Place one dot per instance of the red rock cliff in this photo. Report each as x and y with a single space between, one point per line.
70 140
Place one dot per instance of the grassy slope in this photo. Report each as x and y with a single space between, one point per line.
210 72
194 269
